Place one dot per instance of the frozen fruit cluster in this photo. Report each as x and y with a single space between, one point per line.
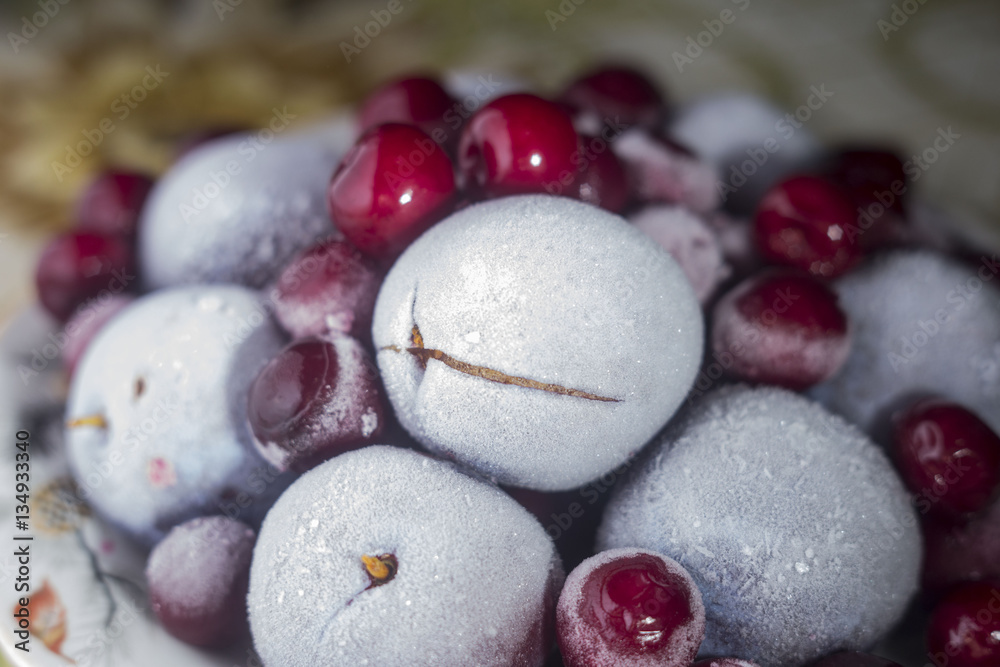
524 292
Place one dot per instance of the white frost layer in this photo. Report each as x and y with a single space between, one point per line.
923 324
170 375
237 210
551 290
477 573
690 241
793 524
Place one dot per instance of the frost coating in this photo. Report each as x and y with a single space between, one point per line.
548 290
170 376
236 212
923 324
476 582
792 523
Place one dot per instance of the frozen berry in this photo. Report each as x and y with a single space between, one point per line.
77 266
964 630
781 327
660 169
629 607
330 287
316 399
853 659
391 186
725 662
418 100
111 204
809 223
84 325
518 143
959 550
622 94
948 455
198 577
604 181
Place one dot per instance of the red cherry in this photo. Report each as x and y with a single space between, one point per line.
628 607
331 287
77 266
418 100
392 185
964 630
809 223
854 659
518 144
957 550
604 181
948 455
622 94
316 399
781 327
877 184
112 203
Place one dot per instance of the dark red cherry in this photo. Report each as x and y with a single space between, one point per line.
330 287
316 399
604 181
781 327
392 185
518 144
621 94
809 223
964 630
416 100
947 455
627 606
876 181
854 659
111 204
198 577
77 266
959 549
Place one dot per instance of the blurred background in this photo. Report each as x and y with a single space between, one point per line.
898 71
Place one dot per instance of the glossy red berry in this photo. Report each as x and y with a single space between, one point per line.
112 203
781 327
198 577
317 399
518 144
964 630
392 185
604 181
947 455
77 266
854 659
418 100
629 607
622 94
329 288
809 223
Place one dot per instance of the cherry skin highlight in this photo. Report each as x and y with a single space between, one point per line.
947 454
518 144
965 626
392 185
77 266
808 223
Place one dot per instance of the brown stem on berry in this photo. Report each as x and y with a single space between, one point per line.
97 421
381 569
423 355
